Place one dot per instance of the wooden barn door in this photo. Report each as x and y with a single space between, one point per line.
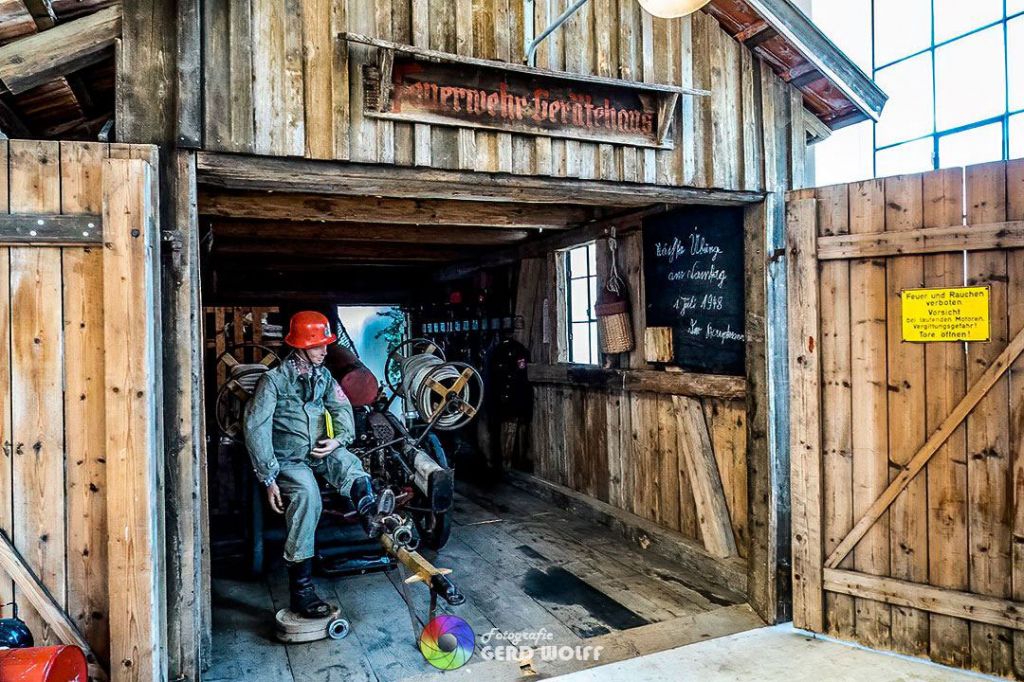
79 502
908 458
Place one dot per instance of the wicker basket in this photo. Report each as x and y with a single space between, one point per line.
615 326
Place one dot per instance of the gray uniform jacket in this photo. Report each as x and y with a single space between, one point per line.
285 417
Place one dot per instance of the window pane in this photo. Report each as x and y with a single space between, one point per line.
848 25
912 157
580 348
845 156
970 79
580 304
902 27
1015 41
578 262
908 114
593 298
1017 136
1014 6
594 356
956 17
976 145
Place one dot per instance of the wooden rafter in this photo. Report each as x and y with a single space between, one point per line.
35 59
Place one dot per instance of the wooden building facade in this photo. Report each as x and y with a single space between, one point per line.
266 137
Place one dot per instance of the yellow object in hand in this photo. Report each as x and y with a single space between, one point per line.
329 423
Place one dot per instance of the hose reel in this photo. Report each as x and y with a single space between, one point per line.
445 394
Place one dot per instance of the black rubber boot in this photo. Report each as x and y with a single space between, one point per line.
372 509
304 600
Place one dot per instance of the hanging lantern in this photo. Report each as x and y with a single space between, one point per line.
670 9
612 309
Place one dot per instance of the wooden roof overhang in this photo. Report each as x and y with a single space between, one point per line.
834 88
273 224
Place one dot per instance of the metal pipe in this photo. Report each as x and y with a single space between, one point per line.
531 51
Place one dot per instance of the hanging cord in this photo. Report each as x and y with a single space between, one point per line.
615 283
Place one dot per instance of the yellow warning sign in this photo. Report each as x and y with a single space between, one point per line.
955 314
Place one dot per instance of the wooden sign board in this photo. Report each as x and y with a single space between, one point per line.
945 314
693 283
421 86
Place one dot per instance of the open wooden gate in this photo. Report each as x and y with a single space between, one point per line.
79 391
907 460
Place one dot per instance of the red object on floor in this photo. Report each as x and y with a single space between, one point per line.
43 664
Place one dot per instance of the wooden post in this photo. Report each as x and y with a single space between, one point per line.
184 436
132 417
159 102
805 417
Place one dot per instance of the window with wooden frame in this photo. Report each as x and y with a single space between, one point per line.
580 298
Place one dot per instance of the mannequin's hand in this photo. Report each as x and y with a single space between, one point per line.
325 447
274 498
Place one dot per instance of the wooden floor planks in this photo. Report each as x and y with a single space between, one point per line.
522 564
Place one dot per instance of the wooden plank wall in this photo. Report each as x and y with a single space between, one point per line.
624 448
628 463
279 83
53 472
957 524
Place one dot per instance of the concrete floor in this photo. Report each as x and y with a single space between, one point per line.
775 653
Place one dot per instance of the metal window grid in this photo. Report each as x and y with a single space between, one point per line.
936 135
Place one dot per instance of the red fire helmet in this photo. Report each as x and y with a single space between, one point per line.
309 329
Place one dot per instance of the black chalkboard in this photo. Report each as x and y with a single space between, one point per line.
693 283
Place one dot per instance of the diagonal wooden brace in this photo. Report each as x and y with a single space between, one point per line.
973 396
43 602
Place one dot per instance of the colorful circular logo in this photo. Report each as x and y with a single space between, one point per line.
447 642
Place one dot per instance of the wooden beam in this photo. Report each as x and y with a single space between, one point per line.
147 74
705 481
652 381
756 28
43 602
42 12
370 209
130 327
35 59
242 172
970 400
189 119
316 251
973 607
1008 235
50 230
817 131
184 437
805 413
367 232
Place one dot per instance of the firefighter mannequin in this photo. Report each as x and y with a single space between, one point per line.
286 435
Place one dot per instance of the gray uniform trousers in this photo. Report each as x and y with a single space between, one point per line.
298 484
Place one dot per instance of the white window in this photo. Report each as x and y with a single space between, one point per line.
954 73
580 298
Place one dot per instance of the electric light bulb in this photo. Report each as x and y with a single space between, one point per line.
670 9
